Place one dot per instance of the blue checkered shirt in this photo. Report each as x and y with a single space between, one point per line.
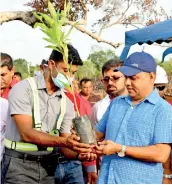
144 124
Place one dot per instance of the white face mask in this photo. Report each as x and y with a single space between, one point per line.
60 80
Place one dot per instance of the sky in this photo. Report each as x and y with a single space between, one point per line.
21 41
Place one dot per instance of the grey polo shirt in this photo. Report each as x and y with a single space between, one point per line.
21 102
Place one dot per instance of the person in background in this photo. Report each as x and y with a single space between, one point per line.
136 127
17 76
160 83
114 85
3 122
43 66
87 91
6 72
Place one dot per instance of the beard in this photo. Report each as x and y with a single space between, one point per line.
114 93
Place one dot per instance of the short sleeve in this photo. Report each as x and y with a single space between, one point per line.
67 120
101 125
163 126
19 99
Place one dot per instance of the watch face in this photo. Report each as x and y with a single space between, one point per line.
121 154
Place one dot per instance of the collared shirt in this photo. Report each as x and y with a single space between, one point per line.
3 120
21 102
99 109
7 90
145 124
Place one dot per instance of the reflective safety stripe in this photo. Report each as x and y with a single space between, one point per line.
36 107
62 111
37 121
20 146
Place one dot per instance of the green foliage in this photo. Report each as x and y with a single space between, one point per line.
52 26
101 56
167 65
93 66
22 66
25 68
87 70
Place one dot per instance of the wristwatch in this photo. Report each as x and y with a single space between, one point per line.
122 152
167 176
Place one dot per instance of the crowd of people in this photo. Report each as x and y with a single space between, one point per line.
132 124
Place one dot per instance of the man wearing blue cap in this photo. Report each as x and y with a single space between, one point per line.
137 128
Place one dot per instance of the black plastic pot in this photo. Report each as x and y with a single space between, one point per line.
84 129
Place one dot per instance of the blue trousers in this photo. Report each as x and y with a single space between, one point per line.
69 172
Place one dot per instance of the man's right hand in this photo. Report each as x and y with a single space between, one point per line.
72 142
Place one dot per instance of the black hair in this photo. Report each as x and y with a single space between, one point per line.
44 62
73 56
111 64
18 74
85 80
6 60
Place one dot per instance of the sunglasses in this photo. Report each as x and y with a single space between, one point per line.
112 78
160 88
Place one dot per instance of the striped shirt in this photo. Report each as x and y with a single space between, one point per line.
144 124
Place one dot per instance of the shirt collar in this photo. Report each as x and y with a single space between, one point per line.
153 97
41 84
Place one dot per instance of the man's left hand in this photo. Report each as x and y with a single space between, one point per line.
107 147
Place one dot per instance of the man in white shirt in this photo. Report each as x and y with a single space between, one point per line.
3 120
114 84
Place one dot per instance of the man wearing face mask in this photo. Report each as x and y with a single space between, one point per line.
31 153
70 171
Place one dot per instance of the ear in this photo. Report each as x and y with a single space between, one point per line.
152 77
51 64
12 71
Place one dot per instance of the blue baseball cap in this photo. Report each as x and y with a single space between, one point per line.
138 62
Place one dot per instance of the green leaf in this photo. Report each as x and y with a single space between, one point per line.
52 10
68 8
50 40
37 16
43 26
48 19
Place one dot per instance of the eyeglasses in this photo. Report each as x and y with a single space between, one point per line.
112 78
160 88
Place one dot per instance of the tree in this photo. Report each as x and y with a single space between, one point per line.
88 70
113 12
92 68
25 68
99 57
